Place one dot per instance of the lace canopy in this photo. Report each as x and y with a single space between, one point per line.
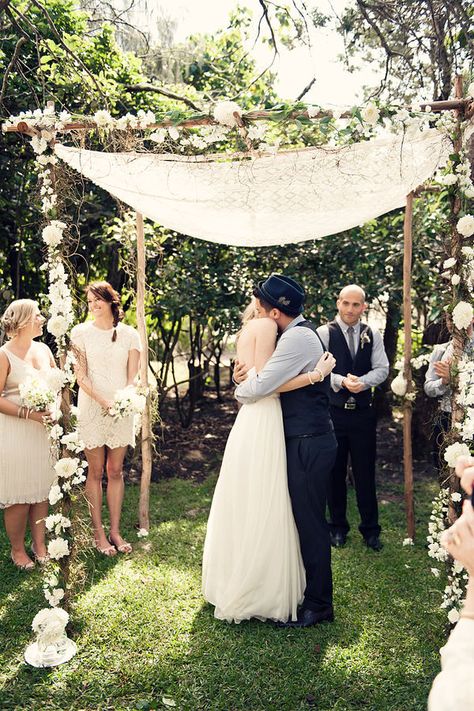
270 199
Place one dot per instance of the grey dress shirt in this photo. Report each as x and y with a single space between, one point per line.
297 351
434 386
379 360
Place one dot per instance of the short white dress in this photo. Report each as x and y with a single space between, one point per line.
107 371
26 461
252 565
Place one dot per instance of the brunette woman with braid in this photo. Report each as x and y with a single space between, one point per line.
107 359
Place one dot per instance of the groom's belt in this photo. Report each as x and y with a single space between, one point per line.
351 406
307 435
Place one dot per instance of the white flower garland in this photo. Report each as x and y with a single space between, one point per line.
64 437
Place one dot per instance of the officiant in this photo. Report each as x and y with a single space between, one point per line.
361 365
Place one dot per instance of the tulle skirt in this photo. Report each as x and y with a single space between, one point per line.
252 564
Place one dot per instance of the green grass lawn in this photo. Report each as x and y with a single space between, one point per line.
144 633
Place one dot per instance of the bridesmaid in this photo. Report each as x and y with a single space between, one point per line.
26 466
108 357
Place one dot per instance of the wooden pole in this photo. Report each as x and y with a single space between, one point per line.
146 435
407 405
463 105
458 336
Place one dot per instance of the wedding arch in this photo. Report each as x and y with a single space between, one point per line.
366 162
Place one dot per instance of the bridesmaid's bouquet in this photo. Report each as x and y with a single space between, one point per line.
127 402
36 395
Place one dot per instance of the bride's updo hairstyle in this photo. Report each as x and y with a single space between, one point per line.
103 290
248 314
18 315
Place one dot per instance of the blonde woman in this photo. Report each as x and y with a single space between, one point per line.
252 565
26 467
108 358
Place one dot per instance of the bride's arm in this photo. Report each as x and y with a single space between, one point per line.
265 340
323 367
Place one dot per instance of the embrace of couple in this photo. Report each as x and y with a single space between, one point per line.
267 552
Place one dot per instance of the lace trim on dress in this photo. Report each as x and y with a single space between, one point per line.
111 444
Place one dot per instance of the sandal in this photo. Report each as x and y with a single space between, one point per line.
22 566
124 547
41 559
108 551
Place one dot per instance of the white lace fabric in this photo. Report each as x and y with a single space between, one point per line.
107 371
291 196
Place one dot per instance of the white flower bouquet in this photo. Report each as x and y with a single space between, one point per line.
36 395
127 402
50 625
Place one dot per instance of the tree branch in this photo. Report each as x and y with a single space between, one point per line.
59 38
306 89
11 64
165 92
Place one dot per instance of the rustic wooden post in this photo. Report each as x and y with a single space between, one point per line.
146 435
407 403
458 336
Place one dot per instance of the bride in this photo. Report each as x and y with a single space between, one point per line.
252 564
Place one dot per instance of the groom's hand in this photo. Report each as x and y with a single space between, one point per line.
353 384
240 373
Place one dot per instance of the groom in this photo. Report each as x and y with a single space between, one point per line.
310 441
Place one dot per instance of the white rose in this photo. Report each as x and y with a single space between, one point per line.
173 133
55 432
455 279
399 385
224 112
56 379
470 90
463 314
435 572
159 136
102 118
66 467
55 494
58 326
58 548
451 454
448 263
465 226
449 179
408 542
469 191
39 145
453 615
54 597
142 533
456 496
370 114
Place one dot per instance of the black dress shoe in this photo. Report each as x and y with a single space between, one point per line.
308 618
374 542
338 540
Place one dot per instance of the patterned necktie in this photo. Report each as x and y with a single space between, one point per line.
350 341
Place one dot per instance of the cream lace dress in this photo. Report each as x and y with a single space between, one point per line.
107 371
26 463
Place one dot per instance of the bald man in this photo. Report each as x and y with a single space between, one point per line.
361 364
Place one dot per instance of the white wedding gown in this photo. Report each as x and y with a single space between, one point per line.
252 564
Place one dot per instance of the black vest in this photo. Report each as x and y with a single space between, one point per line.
306 410
361 364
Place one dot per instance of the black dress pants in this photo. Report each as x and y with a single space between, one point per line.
355 432
309 462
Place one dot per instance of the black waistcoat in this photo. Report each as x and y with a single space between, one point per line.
306 410
361 364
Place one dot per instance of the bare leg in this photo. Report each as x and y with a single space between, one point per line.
37 514
115 491
96 460
15 518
